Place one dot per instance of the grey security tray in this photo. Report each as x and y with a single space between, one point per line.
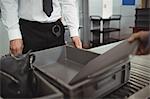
62 63
71 65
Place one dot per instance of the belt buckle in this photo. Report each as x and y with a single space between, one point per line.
56 30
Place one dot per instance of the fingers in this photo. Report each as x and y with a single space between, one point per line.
142 36
142 49
77 42
133 37
16 46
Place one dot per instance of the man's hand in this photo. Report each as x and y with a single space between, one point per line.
77 42
16 46
142 36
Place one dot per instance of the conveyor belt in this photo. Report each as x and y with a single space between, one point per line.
139 79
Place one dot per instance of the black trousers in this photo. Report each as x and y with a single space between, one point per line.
39 36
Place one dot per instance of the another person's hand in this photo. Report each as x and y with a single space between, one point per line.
77 42
143 37
16 46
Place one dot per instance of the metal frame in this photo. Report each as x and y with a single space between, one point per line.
85 31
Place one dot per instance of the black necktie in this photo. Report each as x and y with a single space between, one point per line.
47 7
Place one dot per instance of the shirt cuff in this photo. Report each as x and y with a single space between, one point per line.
14 34
73 32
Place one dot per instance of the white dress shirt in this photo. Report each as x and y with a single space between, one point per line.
32 10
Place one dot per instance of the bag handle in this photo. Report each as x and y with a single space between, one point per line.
32 59
9 76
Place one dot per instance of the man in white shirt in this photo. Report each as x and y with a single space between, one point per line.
30 27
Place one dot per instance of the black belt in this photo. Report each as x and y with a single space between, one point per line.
55 26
